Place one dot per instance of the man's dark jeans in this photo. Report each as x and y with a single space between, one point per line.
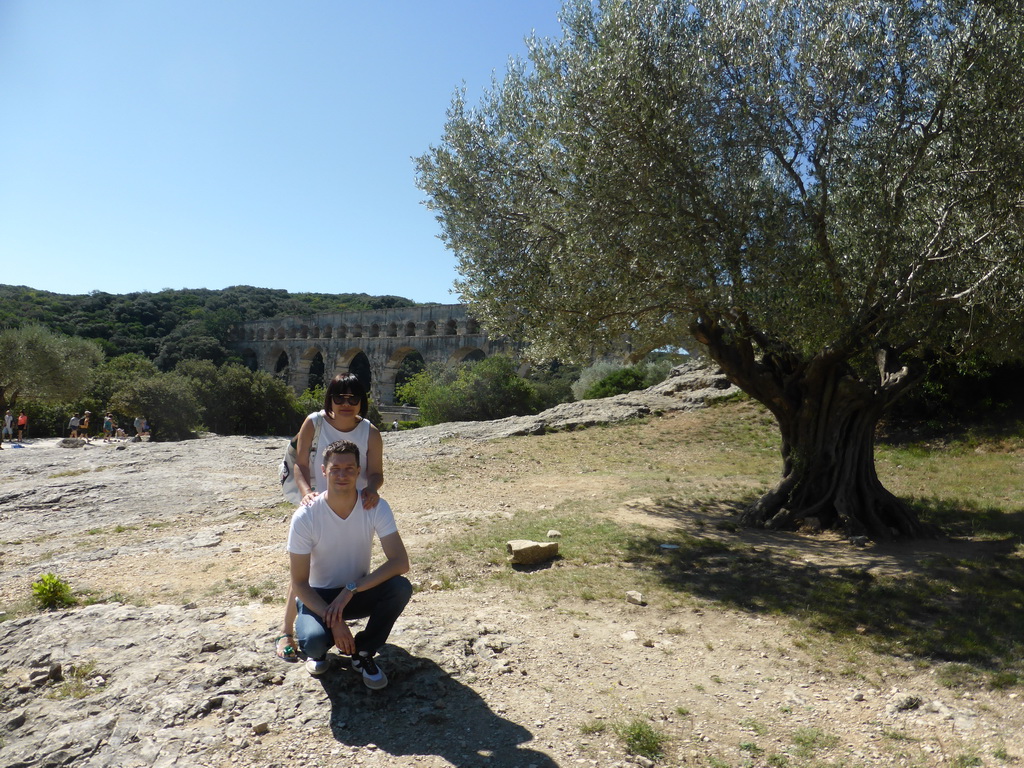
383 605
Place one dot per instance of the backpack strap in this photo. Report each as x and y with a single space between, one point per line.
318 420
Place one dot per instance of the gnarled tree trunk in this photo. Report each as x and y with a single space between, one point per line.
827 419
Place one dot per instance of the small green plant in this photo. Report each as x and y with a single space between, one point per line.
958 676
810 740
641 738
1002 680
682 711
50 592
751 748
965 761
777 761
593 727
75 685
752 725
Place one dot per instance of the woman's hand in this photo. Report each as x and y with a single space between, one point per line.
370 498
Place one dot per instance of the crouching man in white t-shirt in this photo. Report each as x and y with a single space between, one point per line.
329 545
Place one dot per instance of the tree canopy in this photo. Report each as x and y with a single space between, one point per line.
821 192
36 362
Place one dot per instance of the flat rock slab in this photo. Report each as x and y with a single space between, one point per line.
525 552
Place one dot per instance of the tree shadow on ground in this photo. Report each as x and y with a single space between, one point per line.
424 711
957 599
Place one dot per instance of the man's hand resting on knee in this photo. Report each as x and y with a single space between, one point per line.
343 639
333 619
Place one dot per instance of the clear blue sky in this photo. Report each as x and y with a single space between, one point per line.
151 144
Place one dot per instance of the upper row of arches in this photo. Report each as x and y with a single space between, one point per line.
450 327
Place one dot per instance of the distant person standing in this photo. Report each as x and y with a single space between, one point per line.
22 425
83 425
394 425
8 430
140 426
108 427
73 426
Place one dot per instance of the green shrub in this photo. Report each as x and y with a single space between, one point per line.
606 379
616 383
553 383
488 389
592 374
44 419
51 592
167 402
234 400
311 400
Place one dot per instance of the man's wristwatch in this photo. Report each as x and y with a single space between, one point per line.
351 587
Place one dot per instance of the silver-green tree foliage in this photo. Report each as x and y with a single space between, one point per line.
820 192
40 364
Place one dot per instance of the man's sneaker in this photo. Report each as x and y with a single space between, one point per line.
373 675
317 667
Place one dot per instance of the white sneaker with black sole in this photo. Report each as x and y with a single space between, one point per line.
373 676
317 667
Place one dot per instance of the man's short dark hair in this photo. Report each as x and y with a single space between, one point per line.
339 447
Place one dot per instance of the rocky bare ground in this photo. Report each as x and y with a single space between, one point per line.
182 544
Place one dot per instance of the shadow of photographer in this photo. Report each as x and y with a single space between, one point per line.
424 711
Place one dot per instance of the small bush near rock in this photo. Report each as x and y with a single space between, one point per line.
50 591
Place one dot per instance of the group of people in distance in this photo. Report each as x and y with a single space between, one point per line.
330 540
8 428
78 426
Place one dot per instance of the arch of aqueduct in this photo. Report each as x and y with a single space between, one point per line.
371 344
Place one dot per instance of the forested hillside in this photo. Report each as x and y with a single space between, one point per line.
170 325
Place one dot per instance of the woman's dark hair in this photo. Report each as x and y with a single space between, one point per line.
346 384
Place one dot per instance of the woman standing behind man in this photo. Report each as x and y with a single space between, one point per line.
342 418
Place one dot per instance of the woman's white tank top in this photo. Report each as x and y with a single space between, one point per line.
360 435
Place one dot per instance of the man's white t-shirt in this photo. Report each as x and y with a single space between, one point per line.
339 549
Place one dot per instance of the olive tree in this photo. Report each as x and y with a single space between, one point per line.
822 192
43 365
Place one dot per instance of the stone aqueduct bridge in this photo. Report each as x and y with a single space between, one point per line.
372 344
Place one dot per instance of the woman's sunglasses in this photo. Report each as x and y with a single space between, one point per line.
346 399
